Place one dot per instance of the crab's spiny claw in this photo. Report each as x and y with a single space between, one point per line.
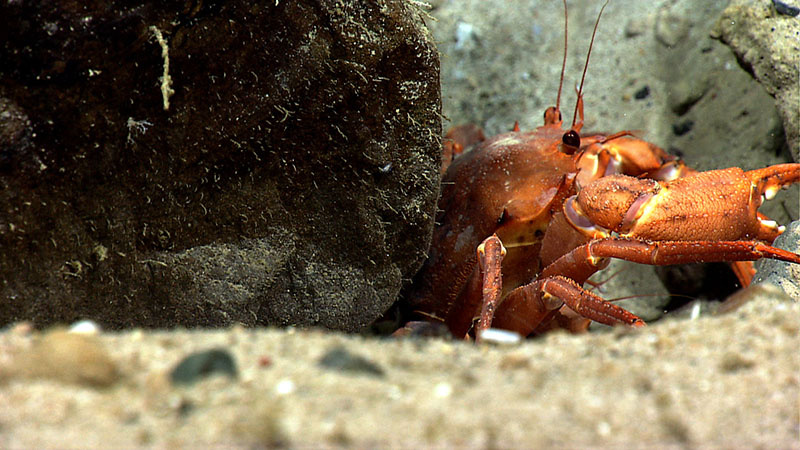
769 180
714 205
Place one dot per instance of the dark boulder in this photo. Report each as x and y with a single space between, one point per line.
207 163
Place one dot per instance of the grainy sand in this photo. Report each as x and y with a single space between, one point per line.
726 381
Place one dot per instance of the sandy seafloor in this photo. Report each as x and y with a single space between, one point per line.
728 381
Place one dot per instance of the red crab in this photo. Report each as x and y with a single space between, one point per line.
527 217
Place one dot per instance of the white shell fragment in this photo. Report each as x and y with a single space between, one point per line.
85 327
500 337
285 387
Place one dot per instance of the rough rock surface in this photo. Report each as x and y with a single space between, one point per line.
784 275
654 68
210 163
767 44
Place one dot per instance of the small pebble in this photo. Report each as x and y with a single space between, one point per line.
339 358
85 327
786 8
465 32
394 392
734 362
514 361
202 364
442 390
604 429
264 361
500 337
695 313
284 387
22 329
68 357
642 93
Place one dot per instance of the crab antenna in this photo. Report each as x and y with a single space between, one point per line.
586 65
564 61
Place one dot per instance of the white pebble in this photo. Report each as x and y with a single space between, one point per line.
442 390
284 387
604 429
395 393
84 327
500 337
695 311
464 33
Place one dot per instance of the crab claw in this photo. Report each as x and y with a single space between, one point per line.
623 153
769 180
718 205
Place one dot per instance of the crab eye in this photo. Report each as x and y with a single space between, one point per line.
571 141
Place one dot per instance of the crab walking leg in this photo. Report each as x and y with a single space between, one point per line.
582 262
490 256
482 290
461 315
528 306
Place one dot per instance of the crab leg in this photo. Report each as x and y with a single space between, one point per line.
532 304
528 306
582 262
483 290
490 255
